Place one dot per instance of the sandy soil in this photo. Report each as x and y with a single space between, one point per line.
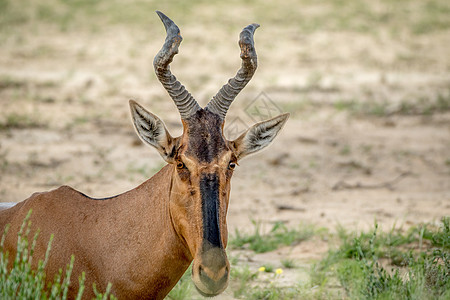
367 139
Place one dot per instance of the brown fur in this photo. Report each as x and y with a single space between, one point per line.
205 138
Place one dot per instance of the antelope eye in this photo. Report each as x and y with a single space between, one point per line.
232 165
180 165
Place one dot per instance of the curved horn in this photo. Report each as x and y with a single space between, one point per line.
222 101
184 101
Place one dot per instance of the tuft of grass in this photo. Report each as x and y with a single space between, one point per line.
393 265
7 82
245 285
242 277
268 268
20 121
288 263
420 106
280 235
363 108
345 150
273 292
24 282
440 237
431 19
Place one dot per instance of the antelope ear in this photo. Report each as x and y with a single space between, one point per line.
153 132
258 136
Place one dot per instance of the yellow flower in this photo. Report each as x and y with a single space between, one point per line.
278 271
262 269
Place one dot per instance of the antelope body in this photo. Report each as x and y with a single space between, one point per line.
143 240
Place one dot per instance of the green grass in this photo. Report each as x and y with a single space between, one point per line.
268 268
241 278
20 121
24 282
7 82
278 236
415 17
393 265
440 103
246 284
420 106
288 263
397 264
272 292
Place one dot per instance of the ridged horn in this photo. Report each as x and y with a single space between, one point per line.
184 101
220 103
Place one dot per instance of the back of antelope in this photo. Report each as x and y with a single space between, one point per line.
142 241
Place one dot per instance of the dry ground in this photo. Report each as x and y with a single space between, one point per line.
367 85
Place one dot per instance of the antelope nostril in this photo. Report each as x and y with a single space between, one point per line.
215 277
211 281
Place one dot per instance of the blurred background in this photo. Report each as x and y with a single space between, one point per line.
367 84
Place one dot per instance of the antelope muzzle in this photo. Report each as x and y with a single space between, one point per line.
211 270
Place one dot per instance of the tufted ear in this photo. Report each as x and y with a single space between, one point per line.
258 136
153 131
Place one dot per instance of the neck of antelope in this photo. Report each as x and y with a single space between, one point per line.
156 257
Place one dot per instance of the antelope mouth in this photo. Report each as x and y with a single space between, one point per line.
207 294
212 289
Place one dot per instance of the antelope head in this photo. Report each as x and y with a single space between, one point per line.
202 159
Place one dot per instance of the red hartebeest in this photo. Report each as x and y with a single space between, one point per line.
143 240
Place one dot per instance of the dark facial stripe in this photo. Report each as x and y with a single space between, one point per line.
209 190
